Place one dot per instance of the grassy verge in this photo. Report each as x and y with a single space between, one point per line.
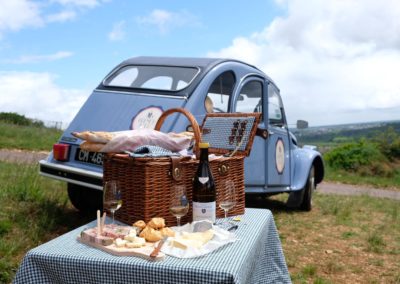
28 137
342 240
33 210
343 176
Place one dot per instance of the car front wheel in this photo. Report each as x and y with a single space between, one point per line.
309 188
86 200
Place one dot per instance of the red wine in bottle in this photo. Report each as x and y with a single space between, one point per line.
204 192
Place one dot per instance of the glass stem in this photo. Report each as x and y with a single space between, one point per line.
226 213
112 212
178 221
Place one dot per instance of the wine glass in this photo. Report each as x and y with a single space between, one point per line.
228 200
112 199
179 204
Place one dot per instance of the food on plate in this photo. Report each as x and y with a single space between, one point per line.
150 234
90 235
136 243
140 224
156 223
192 240
167 232
126 236
132 241
119 243
154 230
131 237
116 231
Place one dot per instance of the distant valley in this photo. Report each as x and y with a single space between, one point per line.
337 134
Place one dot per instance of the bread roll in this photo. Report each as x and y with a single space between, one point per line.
150 234
156 223
139 224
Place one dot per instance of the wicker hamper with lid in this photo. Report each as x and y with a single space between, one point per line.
145 183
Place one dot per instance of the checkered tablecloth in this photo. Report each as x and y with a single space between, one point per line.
256 257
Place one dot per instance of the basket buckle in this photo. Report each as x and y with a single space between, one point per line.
223 169
176 170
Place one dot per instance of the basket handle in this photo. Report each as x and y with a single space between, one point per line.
192 120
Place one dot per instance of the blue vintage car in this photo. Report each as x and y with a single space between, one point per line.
135 93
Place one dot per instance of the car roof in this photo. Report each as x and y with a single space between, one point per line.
179 61
204 64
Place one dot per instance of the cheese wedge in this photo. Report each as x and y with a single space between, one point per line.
194 240
120 242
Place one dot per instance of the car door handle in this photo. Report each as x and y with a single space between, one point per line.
263 133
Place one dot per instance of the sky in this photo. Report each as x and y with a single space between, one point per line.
335 61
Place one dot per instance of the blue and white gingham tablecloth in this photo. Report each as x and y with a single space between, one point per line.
256 257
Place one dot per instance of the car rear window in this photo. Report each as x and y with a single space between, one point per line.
165 78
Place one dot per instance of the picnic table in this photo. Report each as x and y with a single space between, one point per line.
256 257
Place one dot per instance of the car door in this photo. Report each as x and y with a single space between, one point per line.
278 141
248 99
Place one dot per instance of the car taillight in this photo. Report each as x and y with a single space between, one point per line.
61 152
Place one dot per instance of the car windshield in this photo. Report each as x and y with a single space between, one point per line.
164 78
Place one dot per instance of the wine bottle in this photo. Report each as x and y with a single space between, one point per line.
204 192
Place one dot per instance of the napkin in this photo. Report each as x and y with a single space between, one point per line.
221 237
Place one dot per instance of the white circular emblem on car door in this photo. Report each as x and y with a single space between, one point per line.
280 156
146 118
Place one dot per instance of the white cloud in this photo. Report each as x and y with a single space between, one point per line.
118 32
165 20
41 58
18 14
334 61
36 95
62 16
79 3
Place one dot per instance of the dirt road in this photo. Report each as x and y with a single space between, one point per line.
19 156
347 189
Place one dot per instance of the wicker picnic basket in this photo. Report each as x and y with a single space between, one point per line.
145 182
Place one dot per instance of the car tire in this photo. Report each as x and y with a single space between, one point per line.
306 204
86 200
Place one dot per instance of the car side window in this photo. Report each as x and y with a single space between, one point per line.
220 92
275 107
250 97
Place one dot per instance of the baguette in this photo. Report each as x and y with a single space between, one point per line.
94 136
91 146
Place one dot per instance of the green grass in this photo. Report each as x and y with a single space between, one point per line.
28 137
33 210
344 239
343 176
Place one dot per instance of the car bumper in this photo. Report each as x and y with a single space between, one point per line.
71 174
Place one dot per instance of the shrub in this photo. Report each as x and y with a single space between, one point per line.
15 118
353 156
389 143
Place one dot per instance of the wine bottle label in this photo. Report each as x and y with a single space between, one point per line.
204 180
204 211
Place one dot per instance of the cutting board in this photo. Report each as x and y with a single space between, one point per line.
143 252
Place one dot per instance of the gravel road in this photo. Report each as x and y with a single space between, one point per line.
347 189
20 156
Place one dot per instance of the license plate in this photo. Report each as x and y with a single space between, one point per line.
94 158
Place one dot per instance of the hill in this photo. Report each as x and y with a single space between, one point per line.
336 134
